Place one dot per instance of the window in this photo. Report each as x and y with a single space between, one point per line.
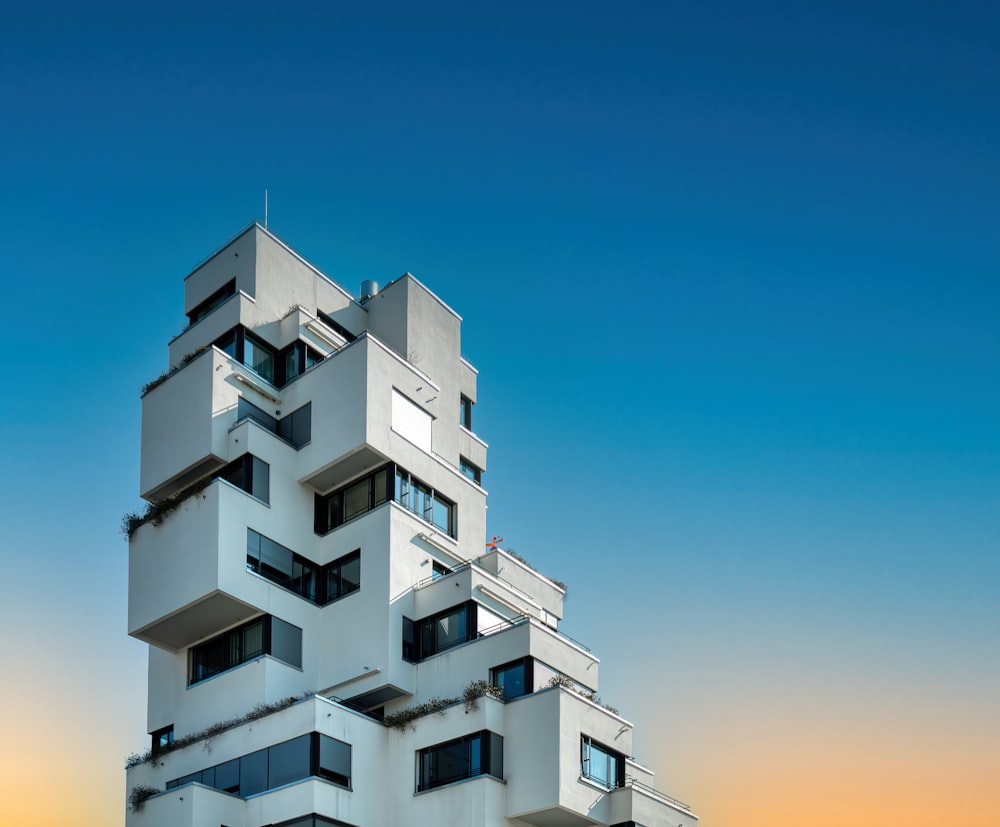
295 360
423 638
354 499
162 739
309 755
473 472
514 678
478 754
265 635
258 356
318 584
249 474
439 570
295 428
601 764
425 502
212 302
465 412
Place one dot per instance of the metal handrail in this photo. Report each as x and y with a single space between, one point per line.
631 781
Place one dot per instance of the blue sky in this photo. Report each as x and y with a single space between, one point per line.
729 272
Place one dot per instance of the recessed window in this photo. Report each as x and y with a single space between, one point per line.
465 412
601 764
514 678
478 754
249 474
318 584
441 631
353 500
309 755
162 739
425 502
472 471
439 570
265 635
212 302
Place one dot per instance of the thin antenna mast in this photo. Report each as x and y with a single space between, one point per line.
265 208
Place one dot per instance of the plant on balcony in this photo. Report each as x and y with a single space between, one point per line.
211 731
593 697
137 796
163 377
404 718
510 552
156 512
476 690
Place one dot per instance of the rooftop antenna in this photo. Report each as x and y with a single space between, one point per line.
265 208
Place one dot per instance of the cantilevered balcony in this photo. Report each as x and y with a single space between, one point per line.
187 575
472 581
544 770
185 420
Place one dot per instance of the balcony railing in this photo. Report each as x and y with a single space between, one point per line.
638 785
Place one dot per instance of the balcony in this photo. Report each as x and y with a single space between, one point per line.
505 643
195 560
542 765
499 595
189 806
185 421
354 414
640 803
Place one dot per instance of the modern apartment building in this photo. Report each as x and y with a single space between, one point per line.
331 641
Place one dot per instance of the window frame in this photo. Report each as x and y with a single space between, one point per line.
232 645
470 751
588 746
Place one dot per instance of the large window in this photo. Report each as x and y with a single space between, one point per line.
515 678
309 755
319 584
212 302
276 366
389 482
425 502
295 427
601 764
250 474
478 754
265 635
352 500
426 637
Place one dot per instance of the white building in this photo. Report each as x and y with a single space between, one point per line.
311 577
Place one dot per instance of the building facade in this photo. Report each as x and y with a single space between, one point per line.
331 641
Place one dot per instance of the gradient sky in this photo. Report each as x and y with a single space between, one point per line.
729 273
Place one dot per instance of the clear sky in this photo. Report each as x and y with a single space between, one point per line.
729 273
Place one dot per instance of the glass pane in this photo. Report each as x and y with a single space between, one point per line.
253 641
304 578
451 629
291 364
475 755
253 550
259 357
288 762
350 575
511 680
381 494
253 773
286 642
227 776
335 760
261 480
402 489
356 499
442 516
275 561
452 763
